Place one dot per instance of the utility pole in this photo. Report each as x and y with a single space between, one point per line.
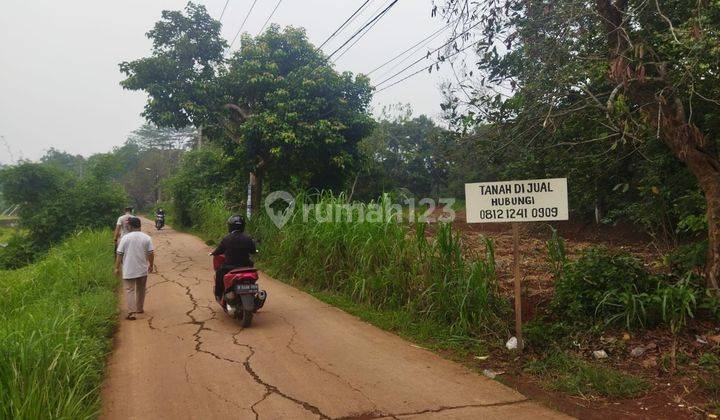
199 144
157 183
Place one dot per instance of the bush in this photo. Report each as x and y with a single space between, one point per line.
204 176
603 284
689 258
54 204
18 253
56 319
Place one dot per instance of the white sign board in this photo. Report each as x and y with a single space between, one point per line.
516 201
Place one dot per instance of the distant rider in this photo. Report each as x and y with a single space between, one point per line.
160 218
237 247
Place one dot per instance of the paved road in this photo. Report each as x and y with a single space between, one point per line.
301 359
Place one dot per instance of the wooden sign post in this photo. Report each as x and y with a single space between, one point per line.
518 285
515 202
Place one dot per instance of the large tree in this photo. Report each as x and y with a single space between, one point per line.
179 75
634 71
297 119
277 100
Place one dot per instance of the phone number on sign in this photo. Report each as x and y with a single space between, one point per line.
510 214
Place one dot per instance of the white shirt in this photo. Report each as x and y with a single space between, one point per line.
134 248
122 221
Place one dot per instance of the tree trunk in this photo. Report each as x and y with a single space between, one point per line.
256 186
665 112
691 147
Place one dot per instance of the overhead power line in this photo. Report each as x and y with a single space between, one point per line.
371 22
344 24
426 39
368 29
428 54
243 24
422 69
223 10
270 17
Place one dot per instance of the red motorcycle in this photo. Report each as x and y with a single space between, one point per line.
241 297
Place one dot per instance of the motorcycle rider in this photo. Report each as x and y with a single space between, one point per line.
159 218
237 247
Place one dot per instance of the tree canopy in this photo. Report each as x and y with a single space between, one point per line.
276 101
599 80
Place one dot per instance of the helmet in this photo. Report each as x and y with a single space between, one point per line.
236 222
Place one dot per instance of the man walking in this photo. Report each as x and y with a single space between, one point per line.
136 257
121 227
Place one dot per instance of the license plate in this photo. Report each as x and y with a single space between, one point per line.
247 287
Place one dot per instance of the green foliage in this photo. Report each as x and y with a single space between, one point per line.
19 252
178 77
678 303
541 336
54 204
276 105
687 259
305 119
384 265
64 161
561 372
31 184
709 362
203 176
557 257
601 284
614 288
56 319
405 152
591 107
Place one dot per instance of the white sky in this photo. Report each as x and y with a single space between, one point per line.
59 77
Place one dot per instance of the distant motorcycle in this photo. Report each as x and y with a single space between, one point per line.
159 221
241 296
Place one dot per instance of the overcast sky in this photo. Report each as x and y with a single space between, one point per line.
59 62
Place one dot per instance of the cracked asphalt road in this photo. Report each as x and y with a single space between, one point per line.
301 359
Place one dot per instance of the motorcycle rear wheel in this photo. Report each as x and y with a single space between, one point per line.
245 317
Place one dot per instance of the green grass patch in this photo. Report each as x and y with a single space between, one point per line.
562 372
378 262
6 233
56 322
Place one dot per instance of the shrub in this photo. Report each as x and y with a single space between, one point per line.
204 175
557 257
603 284
689 258
54 204
19 252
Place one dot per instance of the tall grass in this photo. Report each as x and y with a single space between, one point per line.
56 319
384 263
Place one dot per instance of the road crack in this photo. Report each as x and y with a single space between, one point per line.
290 347
377 415
272 389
